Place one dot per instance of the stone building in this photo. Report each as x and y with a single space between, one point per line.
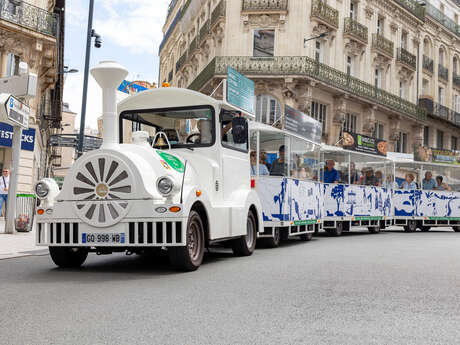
351 64
64 157
32 36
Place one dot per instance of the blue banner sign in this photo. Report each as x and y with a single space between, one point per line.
6 137
131 87
240 91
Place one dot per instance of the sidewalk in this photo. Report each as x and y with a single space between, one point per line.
19 244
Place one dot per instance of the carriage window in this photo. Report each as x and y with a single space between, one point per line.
304 160
177 127
234 130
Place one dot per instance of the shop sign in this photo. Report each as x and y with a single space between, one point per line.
14 111
428 154
299 123
240 91
6 137
363 143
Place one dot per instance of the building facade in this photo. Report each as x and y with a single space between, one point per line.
357 65
32 41
64 157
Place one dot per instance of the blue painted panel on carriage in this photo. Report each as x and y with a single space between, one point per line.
272 192
305 200
404 203
437 204
356 201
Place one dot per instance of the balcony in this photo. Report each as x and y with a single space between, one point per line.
456 80
406 58
205 31
218 13
171 7
441 18
169 31
184 8
439 111
428 64
383 45
181 62
193 46
284 66
355 30
443 72
325 14
258 6
414 7
29 16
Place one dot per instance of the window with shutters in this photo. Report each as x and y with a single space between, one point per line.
453 143
401 144
439 139
349 124
264 43
426 136
318 112
379 131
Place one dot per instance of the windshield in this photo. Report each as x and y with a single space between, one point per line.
181 127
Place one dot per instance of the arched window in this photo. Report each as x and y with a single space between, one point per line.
426 47
442 56
455 65
268 109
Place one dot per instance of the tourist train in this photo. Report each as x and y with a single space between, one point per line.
179 171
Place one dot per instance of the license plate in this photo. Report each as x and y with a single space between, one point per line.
102 238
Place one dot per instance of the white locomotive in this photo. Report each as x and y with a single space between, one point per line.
181 183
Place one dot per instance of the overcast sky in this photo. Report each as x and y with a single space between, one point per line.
131 32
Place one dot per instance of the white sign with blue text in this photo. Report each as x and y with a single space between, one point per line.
14 111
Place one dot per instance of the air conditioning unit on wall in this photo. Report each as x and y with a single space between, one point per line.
24 86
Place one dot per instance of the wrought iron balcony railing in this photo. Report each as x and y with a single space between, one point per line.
204 31
414 7
181 61
456 79
438 110
305 66
406 58
185 8
218 13
442 18
443 72
265 5
356 30
29 16
325 13
193 46
428 64
383 45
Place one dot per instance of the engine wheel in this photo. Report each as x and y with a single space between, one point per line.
411 226
374 229
273 242
456 228
190 257
337 231
425 228
306 237
67 257
245 245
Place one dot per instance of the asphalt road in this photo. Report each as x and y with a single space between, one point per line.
389 288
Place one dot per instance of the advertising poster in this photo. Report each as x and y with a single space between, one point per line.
299 123
428 154
363 143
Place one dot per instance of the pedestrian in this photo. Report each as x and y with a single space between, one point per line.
4 184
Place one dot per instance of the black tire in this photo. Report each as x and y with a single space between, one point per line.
374 229
273 242
411 226
245 245
337 231
306 237
190 257
68 257
456 228
425 228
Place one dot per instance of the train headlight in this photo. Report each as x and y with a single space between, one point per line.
165 185
42 189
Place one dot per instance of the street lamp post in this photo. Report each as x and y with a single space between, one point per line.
98 42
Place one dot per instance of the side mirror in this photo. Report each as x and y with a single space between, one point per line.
240 130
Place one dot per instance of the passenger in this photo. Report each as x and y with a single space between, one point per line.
354 176
279 165
304 173
330 174
263 160
262 167
389 183
379 176
294 173
369 178
409 182
429 183
442 185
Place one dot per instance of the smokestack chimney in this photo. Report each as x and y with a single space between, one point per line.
109 75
